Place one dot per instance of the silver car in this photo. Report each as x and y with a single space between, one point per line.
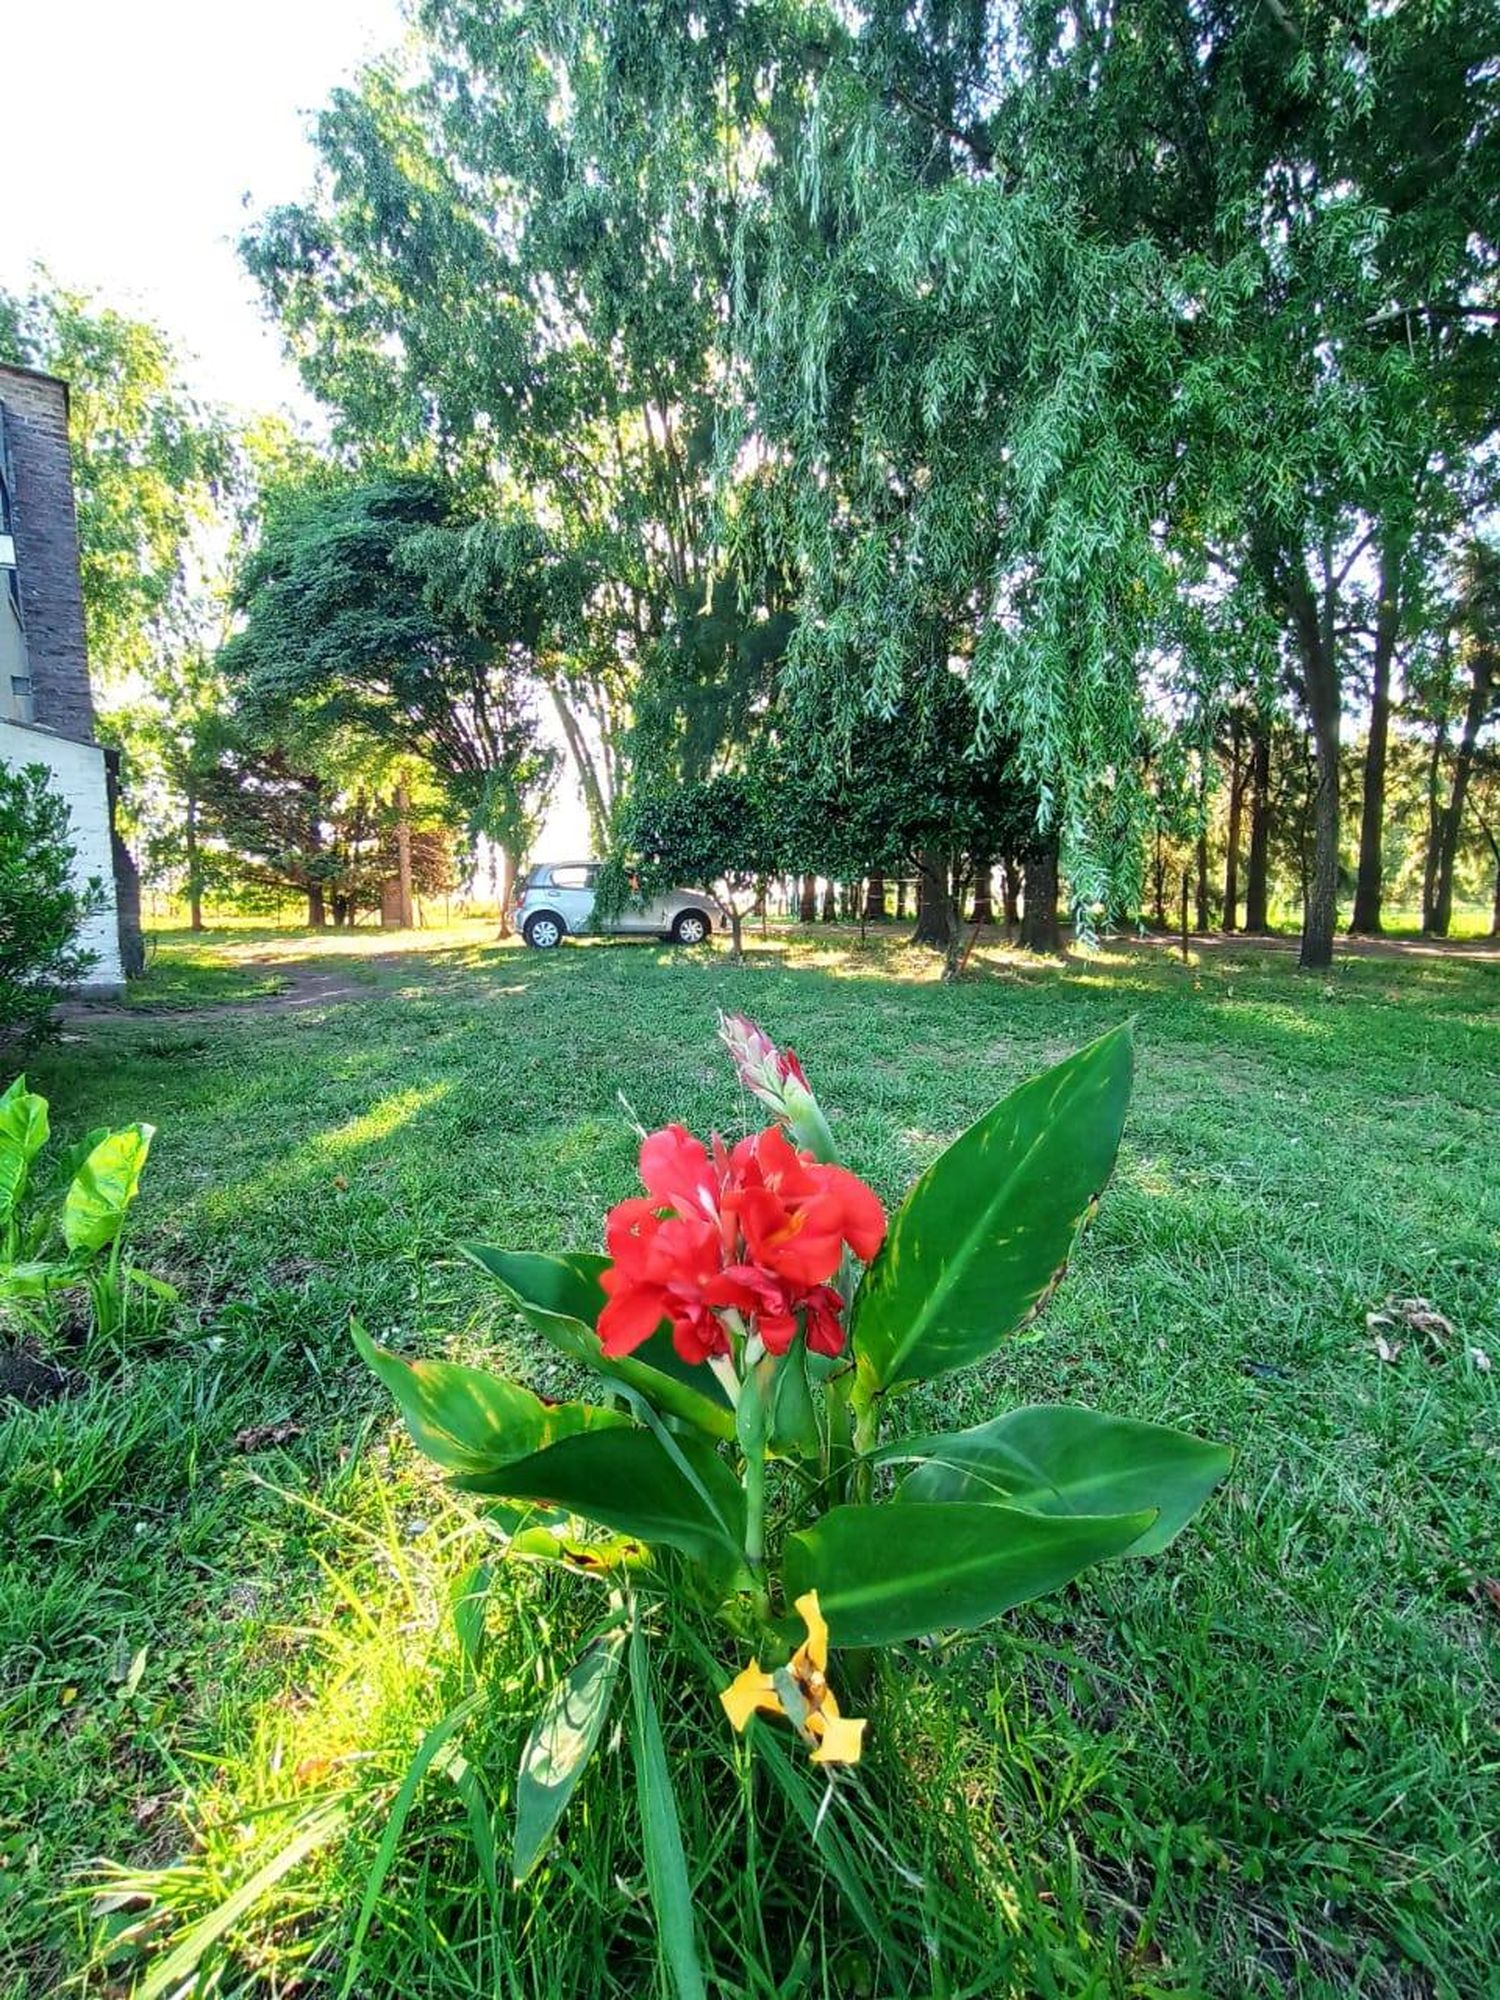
556 899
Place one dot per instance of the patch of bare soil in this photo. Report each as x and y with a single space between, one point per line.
29 1377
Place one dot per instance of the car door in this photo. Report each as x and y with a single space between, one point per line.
570 891
637 919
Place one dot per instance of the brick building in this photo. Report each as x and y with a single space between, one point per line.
46 705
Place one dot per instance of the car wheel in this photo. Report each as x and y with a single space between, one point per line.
691 927
544 933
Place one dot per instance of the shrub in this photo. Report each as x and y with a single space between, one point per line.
42 905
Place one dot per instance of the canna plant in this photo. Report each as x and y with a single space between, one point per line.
62 1222
757 1326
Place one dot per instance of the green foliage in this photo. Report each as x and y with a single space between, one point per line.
561 1298
1059 1458
471 1423
665 1856
43 906
884 1574
363 612
562 1740
504 272
1004 1515
719 834
150 467
985 1234
62 1229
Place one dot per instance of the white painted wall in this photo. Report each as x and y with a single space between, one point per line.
78 775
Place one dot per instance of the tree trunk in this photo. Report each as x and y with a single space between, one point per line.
317 913
875 899
1258 868
937 922
736 932
984 890
507 887
403 852
1200 860
1010 883
1451 824
1368 886
1236 820
1039 925
807 908
194 865
1495 907
830 903
1320 913
1314 622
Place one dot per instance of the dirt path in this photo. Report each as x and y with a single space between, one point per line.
310 983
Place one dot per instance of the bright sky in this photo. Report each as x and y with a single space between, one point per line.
147 133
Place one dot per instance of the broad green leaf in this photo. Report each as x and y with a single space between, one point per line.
104 1187
623 1479
666 1863
469 1421
23 1133
559 1747
988 1228
792 1426
886 1573
1058 1458
562 1299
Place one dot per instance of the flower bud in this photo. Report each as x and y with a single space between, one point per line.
775 1077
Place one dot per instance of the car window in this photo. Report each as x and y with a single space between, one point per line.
573 878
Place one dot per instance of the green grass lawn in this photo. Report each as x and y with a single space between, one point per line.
1263 1763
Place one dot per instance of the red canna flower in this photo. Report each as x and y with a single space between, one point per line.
756 1232
796 1215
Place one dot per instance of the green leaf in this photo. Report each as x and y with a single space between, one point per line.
988 1228
666 1863
561 1297
1061 1459
886 1573
23 1133
469 1421
624 1479
559 1747
104 1187
792 1427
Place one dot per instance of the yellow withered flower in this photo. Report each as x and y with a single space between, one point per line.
801 1693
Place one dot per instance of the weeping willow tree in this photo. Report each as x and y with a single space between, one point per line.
514 266
1053 313
1051 345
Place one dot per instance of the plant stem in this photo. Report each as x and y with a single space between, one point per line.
750 1425
866 1435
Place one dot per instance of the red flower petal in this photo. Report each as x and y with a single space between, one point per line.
633 1314
676 1173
